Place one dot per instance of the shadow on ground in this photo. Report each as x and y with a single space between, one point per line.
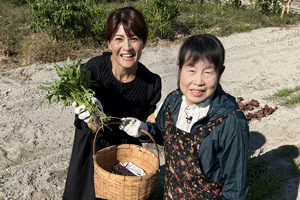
280 161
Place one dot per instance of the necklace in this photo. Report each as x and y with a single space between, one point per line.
115 74
188 118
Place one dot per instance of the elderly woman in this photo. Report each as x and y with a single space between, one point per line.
205 135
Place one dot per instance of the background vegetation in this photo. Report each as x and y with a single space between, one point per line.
40 31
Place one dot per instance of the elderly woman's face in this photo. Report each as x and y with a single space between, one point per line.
126 50
198 81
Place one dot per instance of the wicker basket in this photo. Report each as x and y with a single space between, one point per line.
112 186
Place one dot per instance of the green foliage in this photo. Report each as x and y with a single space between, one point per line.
160 15
99 26
267 6
286 91
68 19
85 38
296 167
262 182
293 100
74 86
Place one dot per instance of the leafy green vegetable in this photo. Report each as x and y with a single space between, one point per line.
74 86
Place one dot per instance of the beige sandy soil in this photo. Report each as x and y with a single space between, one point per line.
36 139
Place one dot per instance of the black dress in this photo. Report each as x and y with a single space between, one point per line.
137 98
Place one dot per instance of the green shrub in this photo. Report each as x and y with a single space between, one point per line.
67 19
160 16
99 26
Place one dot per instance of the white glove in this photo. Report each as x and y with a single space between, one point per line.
82 113
132 125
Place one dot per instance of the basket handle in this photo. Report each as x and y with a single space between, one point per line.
146 132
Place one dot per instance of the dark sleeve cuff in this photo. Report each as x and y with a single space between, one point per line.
156 134
81 126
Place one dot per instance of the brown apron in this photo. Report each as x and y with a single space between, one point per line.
183 176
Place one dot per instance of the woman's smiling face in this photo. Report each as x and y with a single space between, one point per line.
198 81
126 50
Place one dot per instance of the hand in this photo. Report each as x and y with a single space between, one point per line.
151 118
82 113
132 127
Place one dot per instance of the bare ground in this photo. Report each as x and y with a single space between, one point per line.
36 139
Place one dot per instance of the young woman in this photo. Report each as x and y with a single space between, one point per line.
205 135
123 87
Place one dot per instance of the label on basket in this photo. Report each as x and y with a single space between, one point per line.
128 169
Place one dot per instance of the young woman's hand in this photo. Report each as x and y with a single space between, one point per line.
85 115
82 113
132 127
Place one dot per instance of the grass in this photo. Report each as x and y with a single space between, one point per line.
288 150
293 100
262 182
296 167
285 92
20 47
14 22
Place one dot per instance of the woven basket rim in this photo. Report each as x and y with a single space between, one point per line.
111 186
127 146
126 178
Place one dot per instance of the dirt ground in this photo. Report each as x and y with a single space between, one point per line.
36 139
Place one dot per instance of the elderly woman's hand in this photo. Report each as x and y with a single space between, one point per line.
151 118
132 126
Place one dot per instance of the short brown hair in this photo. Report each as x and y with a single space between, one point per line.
132 20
